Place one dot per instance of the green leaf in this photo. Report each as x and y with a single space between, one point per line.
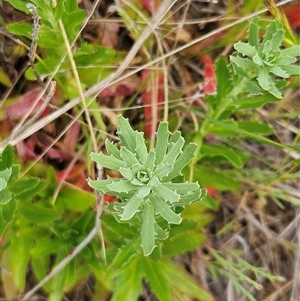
166 194
58 282
19 258
126 253
128 283
141 148
245 49
20 5
154 272
38 214
180 280
128 157
182 188
120 185
162 137
234 157
127 134
21 29
245 64
253 31
131 207
107 161
101 185
112 149
164 210
23 185
183 159
6 157
218 179
46 247
75 199
291 70
174 151
255 127
148 232
224 84
292 51
182 243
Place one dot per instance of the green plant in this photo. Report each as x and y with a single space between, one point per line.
262 61
149 190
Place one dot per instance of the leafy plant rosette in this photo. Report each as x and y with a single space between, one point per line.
265 62
152 190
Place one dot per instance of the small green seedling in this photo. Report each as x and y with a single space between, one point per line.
152 186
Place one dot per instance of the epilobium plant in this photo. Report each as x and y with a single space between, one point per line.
265 62
152 187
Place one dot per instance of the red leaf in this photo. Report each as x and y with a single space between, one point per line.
151 5
71 137
209 75
153 97
25 103
109 37
292 13
212 191
125 87
109 198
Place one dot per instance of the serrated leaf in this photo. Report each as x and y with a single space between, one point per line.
182 188
245 64
183 159
112 149
174 151
121 185
292 51
128 157
253 31
277 39
107 161
162 137
163 170
292 70
141 148
148 232
166 194
245 49
156 278
164 210
126 134
263 78
100 185
131 207
150 161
